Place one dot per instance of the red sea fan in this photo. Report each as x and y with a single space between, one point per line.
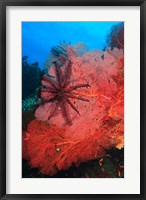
24 146
56 145
48 148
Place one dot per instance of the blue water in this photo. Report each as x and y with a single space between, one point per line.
39 37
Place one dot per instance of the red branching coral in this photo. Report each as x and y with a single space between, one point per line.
50 150
57 145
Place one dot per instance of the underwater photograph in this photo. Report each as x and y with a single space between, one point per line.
73 99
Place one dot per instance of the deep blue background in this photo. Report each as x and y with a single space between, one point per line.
39 37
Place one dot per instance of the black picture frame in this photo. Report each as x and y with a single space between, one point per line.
3 5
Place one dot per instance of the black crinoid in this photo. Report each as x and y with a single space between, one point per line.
60 53
58 92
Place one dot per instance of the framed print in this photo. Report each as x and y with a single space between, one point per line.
72 99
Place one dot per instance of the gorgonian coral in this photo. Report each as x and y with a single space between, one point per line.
55 151
100 125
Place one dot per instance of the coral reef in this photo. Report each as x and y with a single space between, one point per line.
115 39
111 165
51 144
29 103
31 76
48 148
